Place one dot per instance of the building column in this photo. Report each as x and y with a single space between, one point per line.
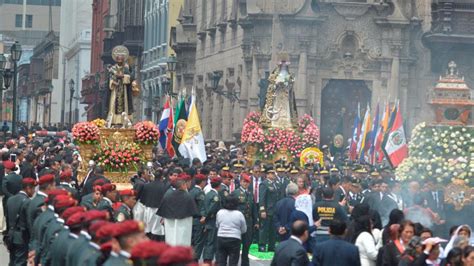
300 85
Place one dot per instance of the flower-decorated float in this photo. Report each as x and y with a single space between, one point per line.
444 149
275 132
115 144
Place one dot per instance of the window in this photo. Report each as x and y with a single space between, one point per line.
18 21
29 21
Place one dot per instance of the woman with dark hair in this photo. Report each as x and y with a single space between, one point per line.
396 217
468 256
454 258
365 241
230 226
395 249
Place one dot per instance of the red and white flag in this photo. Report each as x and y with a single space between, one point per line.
395 145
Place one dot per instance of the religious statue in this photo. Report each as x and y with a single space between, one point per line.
122 87
279 110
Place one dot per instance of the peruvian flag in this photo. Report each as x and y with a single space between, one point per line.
166 128
395 145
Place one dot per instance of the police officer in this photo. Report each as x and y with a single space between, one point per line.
129 199
327 210
212 204
249 210
197 193
18 234
269 195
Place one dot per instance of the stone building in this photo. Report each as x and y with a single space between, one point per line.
342 52
159 17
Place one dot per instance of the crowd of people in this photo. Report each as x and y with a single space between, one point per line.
181 212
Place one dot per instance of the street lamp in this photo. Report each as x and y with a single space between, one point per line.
165 83
171 64
5 81
71 96
15 57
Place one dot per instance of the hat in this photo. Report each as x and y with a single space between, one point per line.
334 169
183 177
9 165
106 231
216 179
176 255
99 182
106 247
280 167
46 179
29 181
237 163
72 210
95 226
65 174
245 177
66 202
374 173
107 187
127 193
55 193
294 170
226 167
200 177
148 249
128 227
269 169
92 215
75 219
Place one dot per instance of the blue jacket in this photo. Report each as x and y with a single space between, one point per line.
335 251
282 216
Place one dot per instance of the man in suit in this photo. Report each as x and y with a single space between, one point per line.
291 252
28 167
336 251
97 174
284 208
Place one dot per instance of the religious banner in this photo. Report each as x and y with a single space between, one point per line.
304 203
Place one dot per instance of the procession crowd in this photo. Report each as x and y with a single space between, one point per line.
181 212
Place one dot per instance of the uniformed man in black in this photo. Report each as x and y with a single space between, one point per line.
269 195
11 183
212 204
18 233
249 210
197 238
281 178
327 210
65 179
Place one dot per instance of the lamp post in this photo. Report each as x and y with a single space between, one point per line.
216 77
171 64
71 96
15 56
3 71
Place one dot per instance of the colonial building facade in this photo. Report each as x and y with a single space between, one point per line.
342 53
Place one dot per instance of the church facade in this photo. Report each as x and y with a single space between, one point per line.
342 53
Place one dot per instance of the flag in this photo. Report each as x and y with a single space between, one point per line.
166 116
363 135
180 119
380 133
355 135
395 145
192 144
373 135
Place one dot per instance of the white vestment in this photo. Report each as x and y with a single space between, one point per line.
178 231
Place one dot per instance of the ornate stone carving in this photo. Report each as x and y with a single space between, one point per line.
351 11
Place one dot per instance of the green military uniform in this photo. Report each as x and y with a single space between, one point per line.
117 260
60 246
249 210
75 249
18 233
50 235
89 255
269 195
88 202
40 225
224 192
197 239
11 185
212 204
70 189
106 205
123 213
34 210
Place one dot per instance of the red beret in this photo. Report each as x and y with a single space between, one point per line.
184 177
29 181
216 179
98 182
9 165
62 203
245 177
97 188
95 226
72 210
107 187
116 205
54 193
106 247
128 227
127 192
176 255
64 174
92 215
200 177
148 249
107 230
75 219
46 179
